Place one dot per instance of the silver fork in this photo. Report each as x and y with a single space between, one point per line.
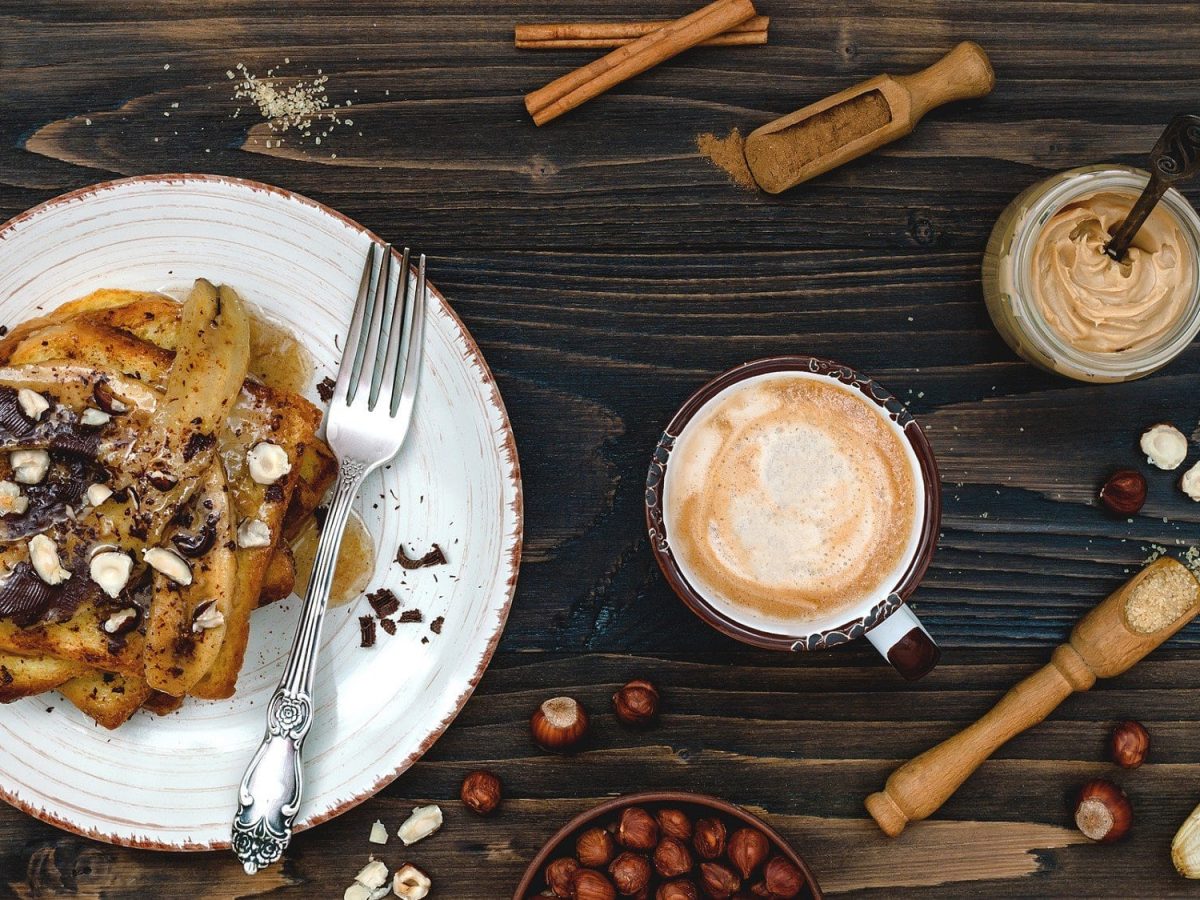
368 418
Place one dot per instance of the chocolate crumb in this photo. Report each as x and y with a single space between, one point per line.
424 640
367 626
434 557
384 602
274 493
388 625
325 388
436 625
411 615
3 330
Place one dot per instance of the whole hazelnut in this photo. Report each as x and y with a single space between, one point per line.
709 838
558 724
1130 741
1124 493
675 823
481 792
637 829
588 884
679 889
1102 811
594 848
748 847
559 874
636 703
672 858
718 881
630 873
782 879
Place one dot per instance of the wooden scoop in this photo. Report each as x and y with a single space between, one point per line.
820 137
1135 619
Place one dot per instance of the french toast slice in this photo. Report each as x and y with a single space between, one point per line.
26 676
108 698
135 333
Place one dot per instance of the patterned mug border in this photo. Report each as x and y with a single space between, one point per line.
878 612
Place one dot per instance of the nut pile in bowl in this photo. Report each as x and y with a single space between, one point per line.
667 846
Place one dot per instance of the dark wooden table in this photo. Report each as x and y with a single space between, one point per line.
607 270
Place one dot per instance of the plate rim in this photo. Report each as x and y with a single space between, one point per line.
512 477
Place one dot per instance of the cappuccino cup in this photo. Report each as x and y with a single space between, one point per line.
793 503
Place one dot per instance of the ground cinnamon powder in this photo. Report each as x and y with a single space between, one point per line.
727 153
780 157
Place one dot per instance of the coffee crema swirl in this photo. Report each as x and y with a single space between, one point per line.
792 497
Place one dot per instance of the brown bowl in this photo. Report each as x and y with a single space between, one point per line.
698 805
914 656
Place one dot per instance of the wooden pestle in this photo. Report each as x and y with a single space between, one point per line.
833 131
1135 619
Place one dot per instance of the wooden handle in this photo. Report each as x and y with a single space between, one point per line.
961 74
920 786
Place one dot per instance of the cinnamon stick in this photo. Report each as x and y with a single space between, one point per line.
565 93
586 35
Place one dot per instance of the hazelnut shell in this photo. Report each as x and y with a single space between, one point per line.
594 848
558 724
636 704
1102 811
708 838
1130 742
637 829
1124 493
782 879
630 873
481 792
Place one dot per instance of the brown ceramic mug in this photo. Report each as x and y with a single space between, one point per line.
883 618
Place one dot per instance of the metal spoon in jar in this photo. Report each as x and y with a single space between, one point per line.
1175 158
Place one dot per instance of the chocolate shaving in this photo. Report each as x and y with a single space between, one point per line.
12 417
325 388
367 626
388 625
434 557
197 443
411 615
24 597
384 602
436 625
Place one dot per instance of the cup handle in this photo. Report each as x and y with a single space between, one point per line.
904 642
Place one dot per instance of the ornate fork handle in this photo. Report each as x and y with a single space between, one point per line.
270 792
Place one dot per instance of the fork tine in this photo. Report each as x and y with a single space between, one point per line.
352 353
405 385
364 369
398 327
393 322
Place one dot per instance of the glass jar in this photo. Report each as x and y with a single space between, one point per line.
1007 267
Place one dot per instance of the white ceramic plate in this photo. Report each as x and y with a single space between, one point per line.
171 783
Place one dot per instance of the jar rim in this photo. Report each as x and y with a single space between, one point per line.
1050 196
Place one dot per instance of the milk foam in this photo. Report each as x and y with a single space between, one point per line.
792 501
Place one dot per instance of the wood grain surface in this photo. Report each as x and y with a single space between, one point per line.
607 270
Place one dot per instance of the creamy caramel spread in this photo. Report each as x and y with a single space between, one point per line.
1097 304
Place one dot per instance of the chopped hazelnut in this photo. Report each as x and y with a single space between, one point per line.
423 822
32 403
267 462
12 501
44 556
1164 446
29 466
